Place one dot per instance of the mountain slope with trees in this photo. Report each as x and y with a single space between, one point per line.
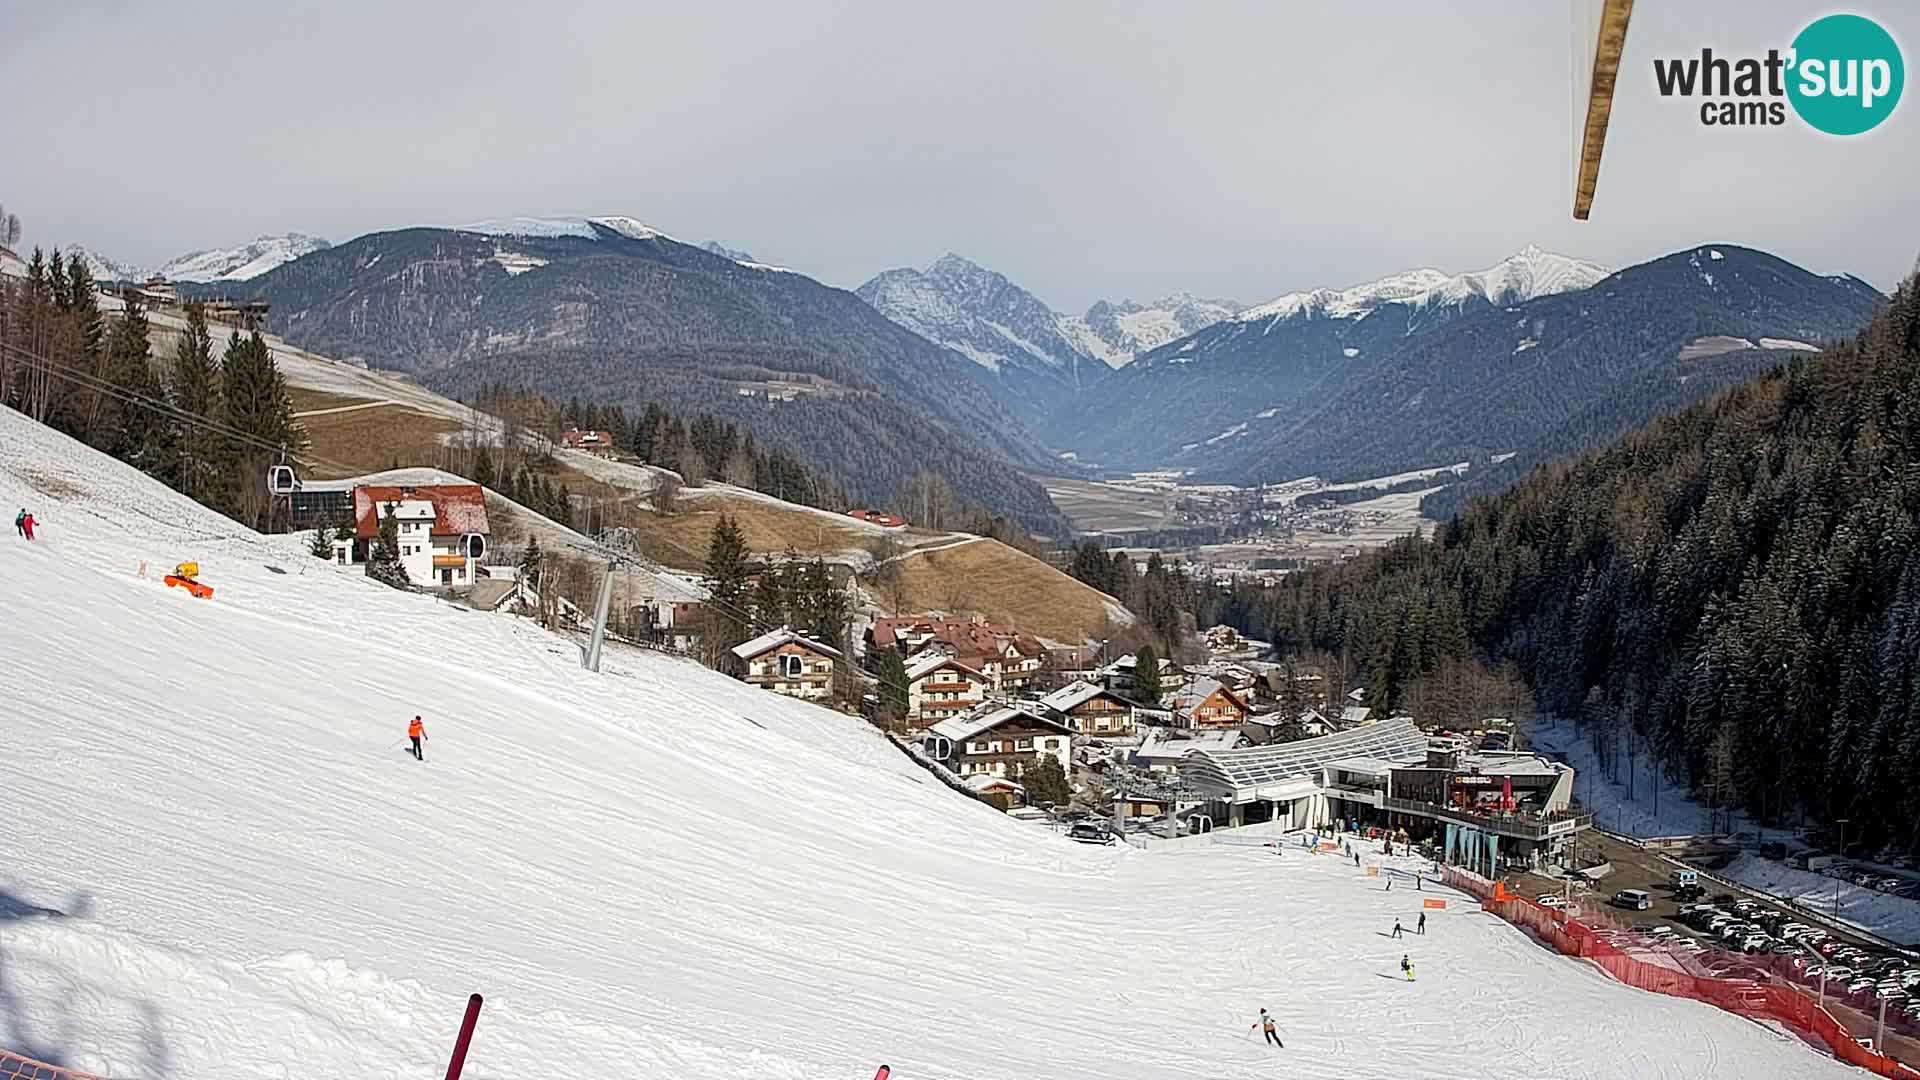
624 307
1733 591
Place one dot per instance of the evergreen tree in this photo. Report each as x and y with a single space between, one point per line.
204 462
891 669
1046 782
321 546
142 432
483 467
727 586
383 564
1146 676
257 407
530 563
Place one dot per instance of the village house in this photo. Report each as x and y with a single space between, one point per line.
1269 728
879 517
996 791
1208 704
1161 753
11 264
940 687
1011 659
1222 639
999 740
597 443
1118 676
441 530
1094 711
789 663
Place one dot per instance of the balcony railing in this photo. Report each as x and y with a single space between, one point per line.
1524 826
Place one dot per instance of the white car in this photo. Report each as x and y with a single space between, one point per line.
1552 900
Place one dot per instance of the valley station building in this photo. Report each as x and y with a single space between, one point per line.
1488 811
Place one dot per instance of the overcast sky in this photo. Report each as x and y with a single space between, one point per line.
1087 149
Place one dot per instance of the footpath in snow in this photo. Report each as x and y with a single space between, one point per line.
219 863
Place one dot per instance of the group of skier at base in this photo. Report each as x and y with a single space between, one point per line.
1266 1022
23 523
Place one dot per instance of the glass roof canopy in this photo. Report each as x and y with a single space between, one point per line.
1235 773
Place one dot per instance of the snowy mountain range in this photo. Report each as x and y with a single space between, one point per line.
984 316
241 263
1516 279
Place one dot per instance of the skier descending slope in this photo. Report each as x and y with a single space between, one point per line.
1406 967
1266 1024
417 731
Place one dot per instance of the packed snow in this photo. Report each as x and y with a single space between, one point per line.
1891 917
565 226
1788 344
222 864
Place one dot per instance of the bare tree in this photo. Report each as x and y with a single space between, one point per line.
9 228
666 493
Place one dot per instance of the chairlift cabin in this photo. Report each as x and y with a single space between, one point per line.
474 545
280 480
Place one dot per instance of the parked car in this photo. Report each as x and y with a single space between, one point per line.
1859 985
1088 832
1755 942
1783 948
1552 900
1689 892
1633 899
1838 972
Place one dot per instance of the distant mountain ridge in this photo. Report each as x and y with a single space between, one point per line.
241 263
986 317
577 306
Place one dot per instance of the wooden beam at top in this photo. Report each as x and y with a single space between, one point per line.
1606 68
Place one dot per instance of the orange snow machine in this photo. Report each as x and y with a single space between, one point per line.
185 576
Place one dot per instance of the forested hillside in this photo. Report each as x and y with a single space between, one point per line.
867 442
1734 590
622 314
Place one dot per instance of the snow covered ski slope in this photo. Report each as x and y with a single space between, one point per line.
215 861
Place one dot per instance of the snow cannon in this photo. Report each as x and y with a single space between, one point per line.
186 576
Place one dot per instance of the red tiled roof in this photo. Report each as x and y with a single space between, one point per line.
458 509
964 636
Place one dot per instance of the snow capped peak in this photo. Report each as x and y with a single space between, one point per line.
244 262
105 269
1525 275
587 228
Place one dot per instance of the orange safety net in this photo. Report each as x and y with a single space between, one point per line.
1755 987
15 1067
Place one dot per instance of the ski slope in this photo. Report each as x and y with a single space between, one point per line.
215 862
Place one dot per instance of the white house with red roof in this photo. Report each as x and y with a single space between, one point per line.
436 526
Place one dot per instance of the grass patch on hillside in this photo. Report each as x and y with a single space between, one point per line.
1003 585
364 440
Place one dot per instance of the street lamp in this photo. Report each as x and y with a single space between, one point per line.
1837 878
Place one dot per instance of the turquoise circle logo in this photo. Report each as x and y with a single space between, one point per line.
1847 74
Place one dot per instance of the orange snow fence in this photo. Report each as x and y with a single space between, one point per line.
1438 904
1765 997
15 1067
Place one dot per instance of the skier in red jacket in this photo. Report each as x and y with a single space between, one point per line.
417 731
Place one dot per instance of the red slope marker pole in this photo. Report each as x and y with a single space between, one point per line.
466 1037
885 1071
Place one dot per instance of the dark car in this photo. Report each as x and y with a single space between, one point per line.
1088 832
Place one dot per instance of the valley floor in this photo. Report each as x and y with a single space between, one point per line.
219 863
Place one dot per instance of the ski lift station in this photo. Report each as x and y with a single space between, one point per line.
1488 810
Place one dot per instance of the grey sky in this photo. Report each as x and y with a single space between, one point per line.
1086 149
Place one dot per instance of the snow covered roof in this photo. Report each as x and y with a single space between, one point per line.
981 783
1238 772
773 639
458 509
1355 714
927 663
961 728
1194 694
1164 750
1078 693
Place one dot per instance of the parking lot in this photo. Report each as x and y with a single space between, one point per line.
1634 868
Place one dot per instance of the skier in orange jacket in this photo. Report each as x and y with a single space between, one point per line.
417 731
